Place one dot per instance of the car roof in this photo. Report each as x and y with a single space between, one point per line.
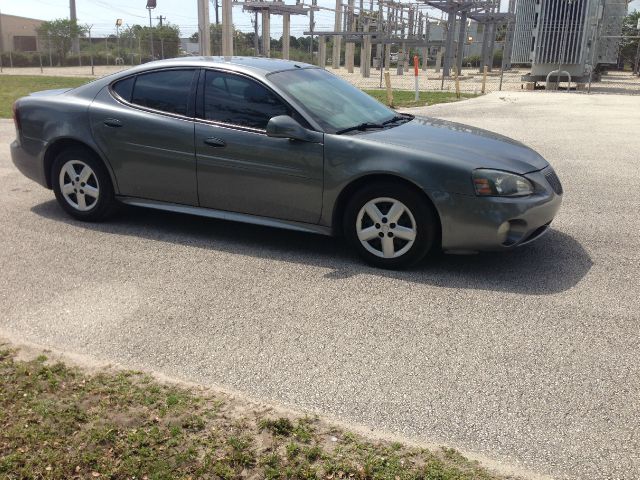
256 65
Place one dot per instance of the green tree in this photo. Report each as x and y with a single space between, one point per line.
136 40
629 46
166 40
59 35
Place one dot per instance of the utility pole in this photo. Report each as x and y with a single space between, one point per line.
130 43
88 27
1 43
427 33
75 41
485 46
322 51
389 32
204 34
379 35
449 42
1 37
266 33
462 35
509 38
118 25
403 46
312 26
256 40
227 27
365 50
151 4
337 40
160 19
215 5
349 49
636 67
286 35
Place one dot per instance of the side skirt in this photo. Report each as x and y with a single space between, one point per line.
225 215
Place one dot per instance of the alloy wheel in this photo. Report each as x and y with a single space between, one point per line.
386 227
79 185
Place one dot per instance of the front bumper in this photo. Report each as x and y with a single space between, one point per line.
472 223
28 161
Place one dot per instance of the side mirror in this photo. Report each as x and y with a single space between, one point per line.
283 126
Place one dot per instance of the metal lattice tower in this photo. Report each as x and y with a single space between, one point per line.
485 12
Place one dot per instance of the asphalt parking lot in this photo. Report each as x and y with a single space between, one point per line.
529 358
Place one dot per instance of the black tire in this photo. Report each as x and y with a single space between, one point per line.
421 213
96 209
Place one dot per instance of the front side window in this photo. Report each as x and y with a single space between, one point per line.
167 90
238 100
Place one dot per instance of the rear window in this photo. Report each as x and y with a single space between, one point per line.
124 88
167 91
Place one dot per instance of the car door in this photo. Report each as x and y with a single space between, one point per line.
144 126
240 168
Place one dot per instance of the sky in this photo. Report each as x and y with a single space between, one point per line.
102 14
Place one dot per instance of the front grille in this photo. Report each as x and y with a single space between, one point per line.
553 180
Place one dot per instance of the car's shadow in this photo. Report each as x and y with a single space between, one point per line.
553 264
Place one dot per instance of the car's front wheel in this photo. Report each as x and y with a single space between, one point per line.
390 225
82 185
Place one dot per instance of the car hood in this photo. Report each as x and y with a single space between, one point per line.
479 148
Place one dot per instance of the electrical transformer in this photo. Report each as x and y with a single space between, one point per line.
573 36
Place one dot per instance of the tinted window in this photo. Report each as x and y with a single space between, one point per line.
238 100
124 88
168 90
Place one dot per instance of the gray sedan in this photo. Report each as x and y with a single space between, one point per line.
283 144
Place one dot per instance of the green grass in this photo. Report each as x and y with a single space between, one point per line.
13 87
59 422
404 98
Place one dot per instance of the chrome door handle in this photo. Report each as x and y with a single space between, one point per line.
113 122
215 142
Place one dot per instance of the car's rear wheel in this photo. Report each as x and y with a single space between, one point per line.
82 185
390 225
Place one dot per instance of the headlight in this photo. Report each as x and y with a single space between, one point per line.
494 183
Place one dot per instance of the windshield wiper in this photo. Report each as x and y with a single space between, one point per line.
397 118
362 126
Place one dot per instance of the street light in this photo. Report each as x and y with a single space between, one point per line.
151 4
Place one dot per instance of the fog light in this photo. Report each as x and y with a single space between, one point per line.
511 232
503 231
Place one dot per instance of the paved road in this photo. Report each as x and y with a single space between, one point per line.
529 358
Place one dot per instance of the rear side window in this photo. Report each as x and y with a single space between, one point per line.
238 100
167 91
124 88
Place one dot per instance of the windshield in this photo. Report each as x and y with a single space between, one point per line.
332 102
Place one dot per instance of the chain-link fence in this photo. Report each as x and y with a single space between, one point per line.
101 56
473 79
115 51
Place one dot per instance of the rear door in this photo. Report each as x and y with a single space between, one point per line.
240 168
144 125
